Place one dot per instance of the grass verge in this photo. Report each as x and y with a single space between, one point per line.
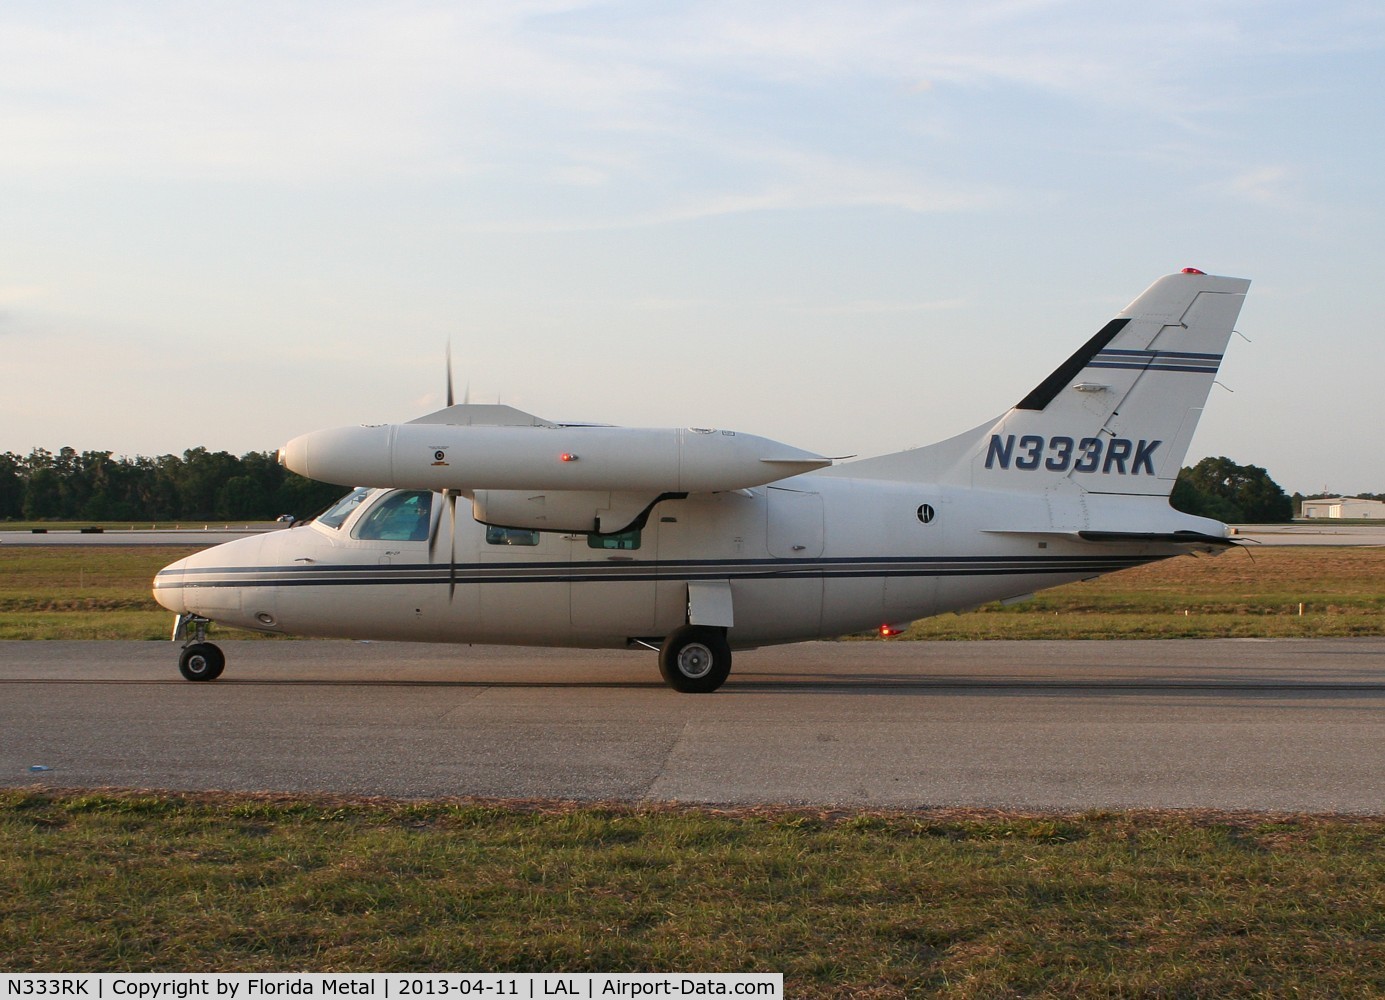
1273 592
957 903
83 592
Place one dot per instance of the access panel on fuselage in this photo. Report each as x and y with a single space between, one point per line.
716 537
521 579
613 582
784 602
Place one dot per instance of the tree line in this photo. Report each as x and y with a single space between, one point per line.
197 485
1240 494
202 484
1235 494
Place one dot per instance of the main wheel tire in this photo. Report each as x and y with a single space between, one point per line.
695 659
201 661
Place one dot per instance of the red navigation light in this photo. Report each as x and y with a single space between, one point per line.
568 456
1192 270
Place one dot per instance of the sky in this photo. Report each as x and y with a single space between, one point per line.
853 227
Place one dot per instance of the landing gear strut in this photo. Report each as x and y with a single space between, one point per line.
695 659
200 660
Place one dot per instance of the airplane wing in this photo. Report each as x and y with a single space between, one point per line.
525 472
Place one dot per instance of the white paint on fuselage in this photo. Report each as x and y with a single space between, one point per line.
809 557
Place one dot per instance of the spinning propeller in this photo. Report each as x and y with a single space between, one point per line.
451 497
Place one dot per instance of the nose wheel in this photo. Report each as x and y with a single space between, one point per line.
200 660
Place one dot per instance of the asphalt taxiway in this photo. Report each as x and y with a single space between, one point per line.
1283 725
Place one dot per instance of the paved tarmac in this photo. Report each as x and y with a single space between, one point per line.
1283 725
1320 532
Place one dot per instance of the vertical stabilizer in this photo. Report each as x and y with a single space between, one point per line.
1116 417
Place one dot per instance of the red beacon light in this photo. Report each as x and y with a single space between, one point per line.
1192 270
889 631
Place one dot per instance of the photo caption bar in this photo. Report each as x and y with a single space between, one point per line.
388 986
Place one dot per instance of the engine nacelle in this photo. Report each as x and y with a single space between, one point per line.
575 511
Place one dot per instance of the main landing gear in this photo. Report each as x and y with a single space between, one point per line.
200 660
695 659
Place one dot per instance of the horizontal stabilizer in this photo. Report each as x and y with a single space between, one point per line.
1199 539
1164 537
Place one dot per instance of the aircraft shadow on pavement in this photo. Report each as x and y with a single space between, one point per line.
1360 682
818 684
907 683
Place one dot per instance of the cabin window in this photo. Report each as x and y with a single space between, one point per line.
402 516
625 540
511 536
341 510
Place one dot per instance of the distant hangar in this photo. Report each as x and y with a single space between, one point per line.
1344 507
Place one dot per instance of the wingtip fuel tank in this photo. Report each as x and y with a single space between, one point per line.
482 457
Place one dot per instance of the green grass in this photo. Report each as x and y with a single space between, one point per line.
83 592
1240 594
961 904
102 592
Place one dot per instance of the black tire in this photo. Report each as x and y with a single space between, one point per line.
201 661
695 659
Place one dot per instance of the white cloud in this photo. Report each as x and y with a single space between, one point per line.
12 294
297 92
1267 185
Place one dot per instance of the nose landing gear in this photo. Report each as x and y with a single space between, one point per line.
200 660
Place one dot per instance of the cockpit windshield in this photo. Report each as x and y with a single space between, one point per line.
342 509
402 516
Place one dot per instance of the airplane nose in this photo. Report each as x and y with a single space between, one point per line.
231 583
168 587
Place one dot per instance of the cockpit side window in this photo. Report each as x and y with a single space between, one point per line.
401 516
625 540
511 536
341 510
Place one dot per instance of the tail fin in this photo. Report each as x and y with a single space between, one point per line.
1116 417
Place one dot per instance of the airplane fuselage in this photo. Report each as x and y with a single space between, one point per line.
810 557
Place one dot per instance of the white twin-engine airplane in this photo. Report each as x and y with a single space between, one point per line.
694 541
